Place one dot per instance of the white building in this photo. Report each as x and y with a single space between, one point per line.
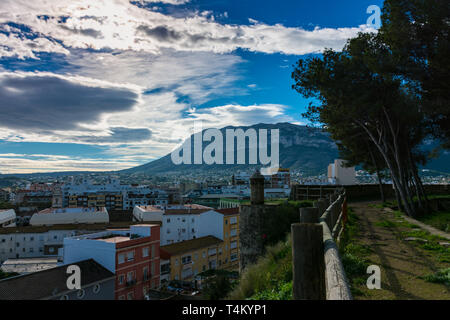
7 218
33 244
182 222
52 216
132 195
338 174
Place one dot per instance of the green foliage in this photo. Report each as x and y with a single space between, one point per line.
439 220
385 224
282 292
218 286
442 276
278 224
272 273
353 256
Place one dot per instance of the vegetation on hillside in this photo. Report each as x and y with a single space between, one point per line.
270 278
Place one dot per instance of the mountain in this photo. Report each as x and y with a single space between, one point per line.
301 148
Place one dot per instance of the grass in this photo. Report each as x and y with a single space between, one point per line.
442 276
439 220
270 278
432 245
354 256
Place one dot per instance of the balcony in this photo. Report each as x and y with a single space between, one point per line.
130 283
146 277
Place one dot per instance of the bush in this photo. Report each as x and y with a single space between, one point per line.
270 274
442 276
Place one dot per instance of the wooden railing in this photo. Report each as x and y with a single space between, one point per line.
318 272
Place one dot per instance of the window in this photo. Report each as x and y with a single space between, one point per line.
145 252
64 297
176 262
233 232
130 256
121 278
130 295
233 245
121 258
153 251
130 276
186 259
122 297
168 220
204 254
233 257
168 230
145 273
233 220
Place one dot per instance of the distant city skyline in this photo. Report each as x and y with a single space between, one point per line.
98 86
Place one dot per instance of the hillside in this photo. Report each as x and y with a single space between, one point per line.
301 148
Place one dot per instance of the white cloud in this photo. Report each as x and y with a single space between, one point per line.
120 25
23 163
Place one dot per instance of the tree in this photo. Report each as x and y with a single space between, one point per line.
357 149
417 34
357 90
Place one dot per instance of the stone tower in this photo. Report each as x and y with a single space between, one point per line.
257 188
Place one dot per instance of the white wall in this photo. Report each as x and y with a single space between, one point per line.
205 224
12 245
69 216
103 252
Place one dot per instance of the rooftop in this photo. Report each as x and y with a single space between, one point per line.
28 265
189 245
72 210
51 282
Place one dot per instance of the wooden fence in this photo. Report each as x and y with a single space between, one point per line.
318 272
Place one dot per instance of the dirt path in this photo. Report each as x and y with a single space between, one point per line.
401 262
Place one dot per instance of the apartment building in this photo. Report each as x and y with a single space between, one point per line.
189 258
97 283
52 216
131 254
33 242
182 222
230 245
110 200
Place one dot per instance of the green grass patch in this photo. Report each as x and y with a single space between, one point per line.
385 224
271 274
354 256
439 220
442 276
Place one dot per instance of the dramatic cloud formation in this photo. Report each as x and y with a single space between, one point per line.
96 25
133 78
52 102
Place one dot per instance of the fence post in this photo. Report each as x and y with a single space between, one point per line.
309 215
308 262
321 204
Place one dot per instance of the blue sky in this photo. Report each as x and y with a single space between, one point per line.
111 84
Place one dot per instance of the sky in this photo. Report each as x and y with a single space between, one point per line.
110 84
